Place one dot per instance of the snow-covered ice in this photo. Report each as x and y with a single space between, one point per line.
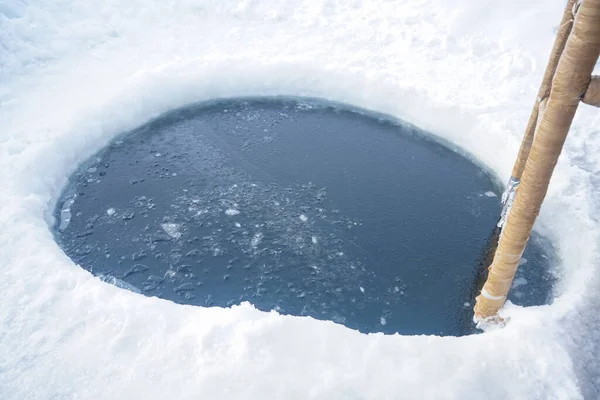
74 74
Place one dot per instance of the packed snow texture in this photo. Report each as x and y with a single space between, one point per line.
73 74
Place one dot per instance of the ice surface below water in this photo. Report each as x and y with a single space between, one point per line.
294 205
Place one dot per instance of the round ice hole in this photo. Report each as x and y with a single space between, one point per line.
295 205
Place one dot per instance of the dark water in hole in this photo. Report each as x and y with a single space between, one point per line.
293 205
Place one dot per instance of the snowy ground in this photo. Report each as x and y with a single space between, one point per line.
73 74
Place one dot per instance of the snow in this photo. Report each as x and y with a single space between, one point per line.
74 74
119 283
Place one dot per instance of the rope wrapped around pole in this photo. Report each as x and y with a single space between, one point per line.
564 30
570 81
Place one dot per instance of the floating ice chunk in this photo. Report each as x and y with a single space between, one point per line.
127 215
232 211
184 288
110 212
490 194
155 279
314 240
160 237
303 218
192 253
523 261
362 289
382 320
256 239
184 269
65 214
238 225
170 274
519 282
172 230
135 269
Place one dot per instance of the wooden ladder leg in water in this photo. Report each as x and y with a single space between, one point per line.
562 34
572 77
564 30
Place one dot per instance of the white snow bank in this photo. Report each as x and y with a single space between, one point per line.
73 74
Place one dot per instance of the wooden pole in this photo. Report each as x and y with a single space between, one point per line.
562 34
570 81
592 94
564 30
